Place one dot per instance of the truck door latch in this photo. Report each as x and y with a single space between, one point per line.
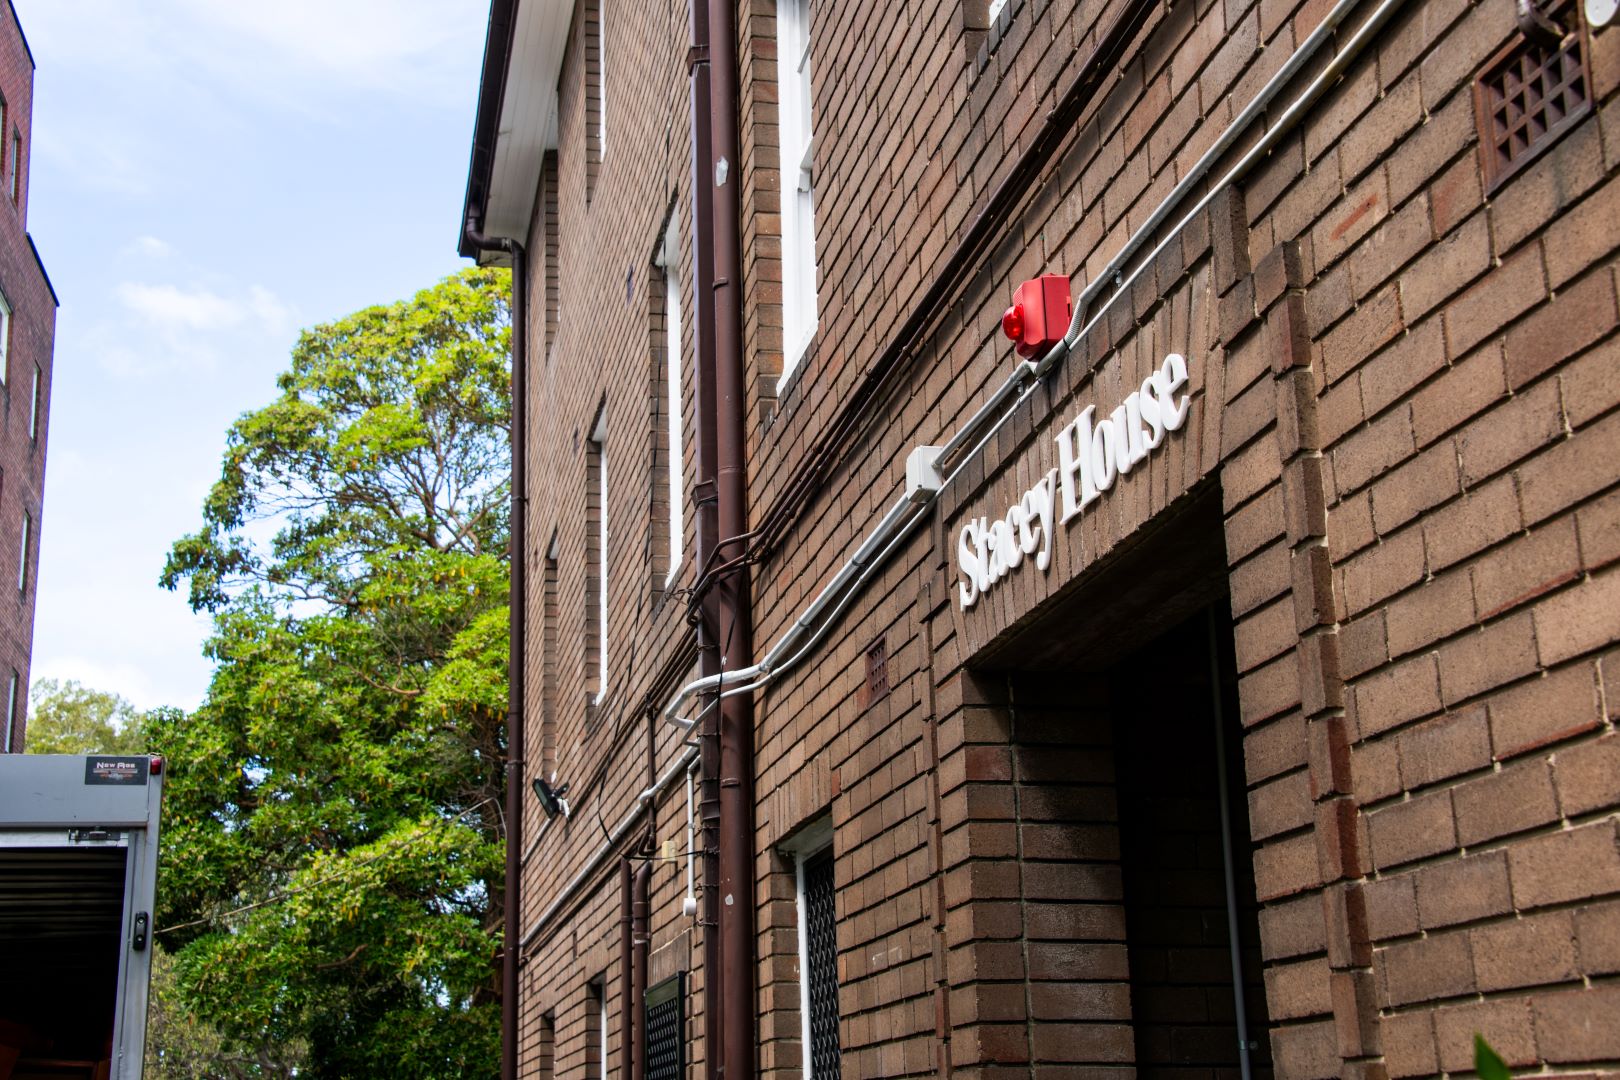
138 939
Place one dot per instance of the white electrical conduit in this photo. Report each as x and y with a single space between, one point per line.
896 525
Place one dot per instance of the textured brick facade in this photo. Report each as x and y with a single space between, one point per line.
26 396
1397 487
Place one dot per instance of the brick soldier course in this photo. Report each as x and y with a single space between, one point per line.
25 396
1367 589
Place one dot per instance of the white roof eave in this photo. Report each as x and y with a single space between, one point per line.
528 120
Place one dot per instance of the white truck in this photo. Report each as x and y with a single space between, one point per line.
78 878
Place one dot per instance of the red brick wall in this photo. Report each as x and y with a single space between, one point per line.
1403 405
33 329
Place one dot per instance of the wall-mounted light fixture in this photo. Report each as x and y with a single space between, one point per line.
551 798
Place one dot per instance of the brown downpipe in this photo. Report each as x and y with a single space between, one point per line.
627 979
640 911
707 526
516 641
735 714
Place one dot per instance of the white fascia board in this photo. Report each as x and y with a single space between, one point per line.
528 120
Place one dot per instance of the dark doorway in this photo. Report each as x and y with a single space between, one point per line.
1178 745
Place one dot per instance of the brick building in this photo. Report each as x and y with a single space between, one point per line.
1227 686
27 339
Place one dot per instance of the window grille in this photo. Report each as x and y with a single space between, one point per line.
821 954
1529 95
666 1050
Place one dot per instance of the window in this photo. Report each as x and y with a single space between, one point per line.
595 92
548 172
547 1050
596 529
16 166
34 404
798 201
548 664
596 1044
11 709
22 551
666 326
666 1051
815 893
5 340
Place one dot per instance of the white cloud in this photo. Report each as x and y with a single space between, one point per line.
148 246
293 53
171 307
160 329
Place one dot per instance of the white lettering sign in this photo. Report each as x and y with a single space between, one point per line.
1092 454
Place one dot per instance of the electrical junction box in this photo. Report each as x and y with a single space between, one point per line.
1039 316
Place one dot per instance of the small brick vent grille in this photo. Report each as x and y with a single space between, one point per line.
821 949
1529 95
666 1051
877 671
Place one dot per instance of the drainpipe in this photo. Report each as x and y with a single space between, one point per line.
627 979
735 714
640 909
707 527
516 643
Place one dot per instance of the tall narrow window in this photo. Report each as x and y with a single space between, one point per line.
596 525
596 1049
595 91
16 166
5 340
818 959
11 710
798 200
548 172
666 319
34 403
548 664
547 1050
22 551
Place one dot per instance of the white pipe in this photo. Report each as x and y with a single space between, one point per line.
614 838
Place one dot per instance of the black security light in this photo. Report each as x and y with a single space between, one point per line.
551 798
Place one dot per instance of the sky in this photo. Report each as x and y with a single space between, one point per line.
209 176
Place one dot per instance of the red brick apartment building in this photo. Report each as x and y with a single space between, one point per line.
1222 683
27 340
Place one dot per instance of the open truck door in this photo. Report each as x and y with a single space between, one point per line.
78 880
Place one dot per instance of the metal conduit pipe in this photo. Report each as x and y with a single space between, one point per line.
516 641
640 945
609 845
1078 324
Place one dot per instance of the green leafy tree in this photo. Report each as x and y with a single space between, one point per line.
70 718
333 849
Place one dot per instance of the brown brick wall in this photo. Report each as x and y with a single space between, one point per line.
33 329
1403 411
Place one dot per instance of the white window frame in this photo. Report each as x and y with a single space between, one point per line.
5 339
601 80
599 439
11 709
35 402
22 552
803 846
669 260
597 989
796 137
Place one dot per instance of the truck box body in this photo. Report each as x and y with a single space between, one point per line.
78 877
